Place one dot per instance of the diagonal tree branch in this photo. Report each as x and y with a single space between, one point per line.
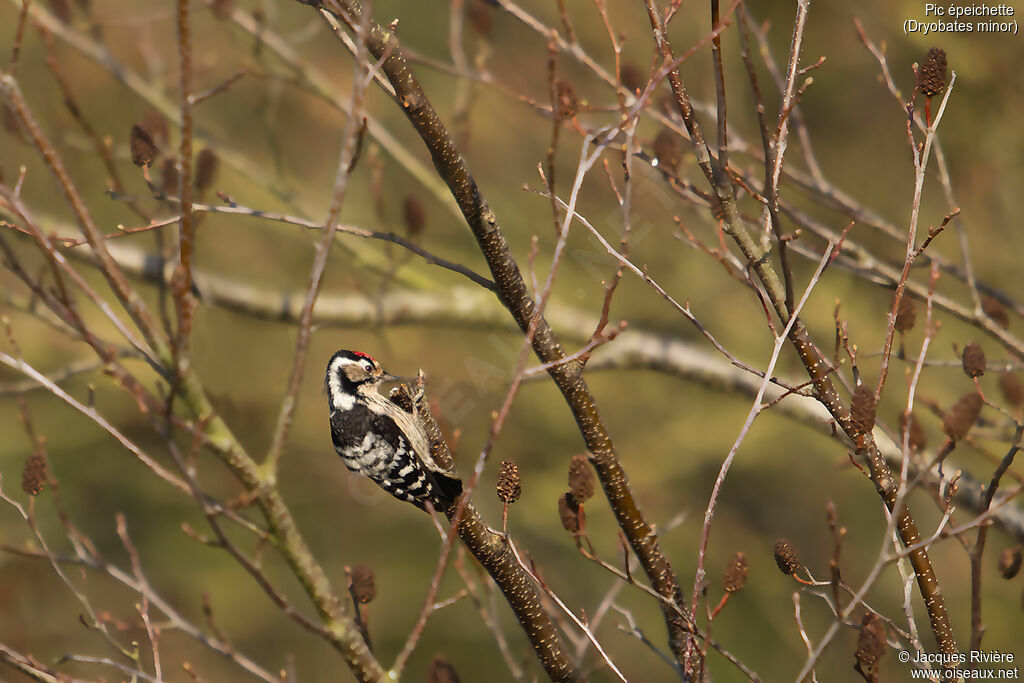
514 295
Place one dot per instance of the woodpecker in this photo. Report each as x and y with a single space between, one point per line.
377 439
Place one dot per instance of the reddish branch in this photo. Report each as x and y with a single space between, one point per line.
181 287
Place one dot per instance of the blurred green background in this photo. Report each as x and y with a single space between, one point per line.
671 435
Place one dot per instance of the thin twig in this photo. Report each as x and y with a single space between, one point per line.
346 163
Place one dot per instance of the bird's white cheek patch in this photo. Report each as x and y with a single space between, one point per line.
339 398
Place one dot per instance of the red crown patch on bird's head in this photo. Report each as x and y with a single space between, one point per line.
360 354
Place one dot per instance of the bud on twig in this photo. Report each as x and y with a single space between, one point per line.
962 416
786 557
735 574
364 585
581 479
509 486
973 360
566 102
870 646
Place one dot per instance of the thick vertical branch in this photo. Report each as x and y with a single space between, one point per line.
514 295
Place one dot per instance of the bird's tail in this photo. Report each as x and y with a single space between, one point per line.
448 488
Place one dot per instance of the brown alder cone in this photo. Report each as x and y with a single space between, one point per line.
786 557
931 77
364 585
570 513
668 150
441 671
870 646
10 122
414 214
169 177
206 169
33 477
735 574
666 104
973 360
1011 388
155 124
142 147
581 479
906 314
62 10
862 410
918 440
1009 563
962 416
480 17
996 311
222 8
633 79
509 486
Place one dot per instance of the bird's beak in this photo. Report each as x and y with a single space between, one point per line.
390 378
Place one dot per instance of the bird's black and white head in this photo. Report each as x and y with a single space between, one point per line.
351 374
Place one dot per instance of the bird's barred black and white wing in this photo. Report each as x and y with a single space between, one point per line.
372 444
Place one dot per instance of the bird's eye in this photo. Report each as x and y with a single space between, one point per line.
367 366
